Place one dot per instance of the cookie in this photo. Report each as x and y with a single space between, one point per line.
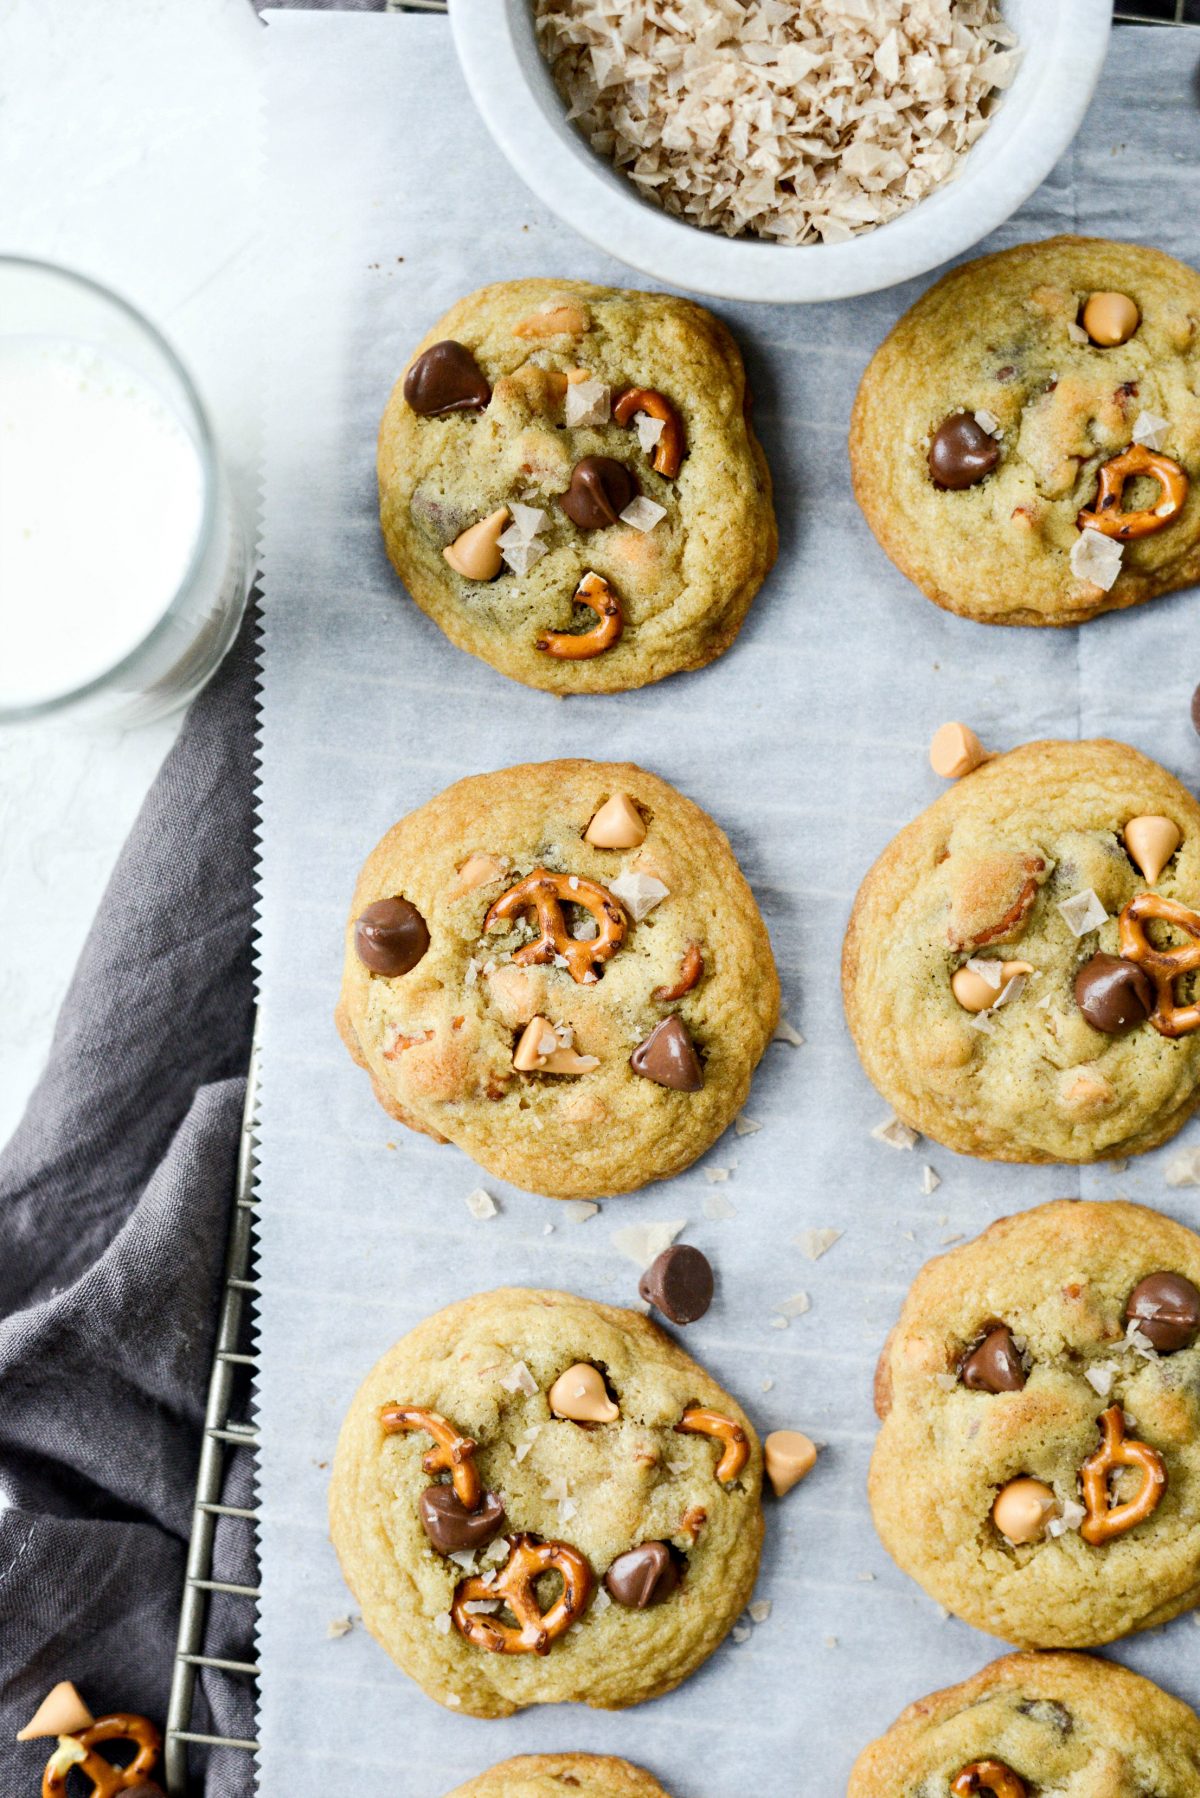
998 978
599 1531
560 968
1033 1723
562 1776
570 487
1038 1466
1025 442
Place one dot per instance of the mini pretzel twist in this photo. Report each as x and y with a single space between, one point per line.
579 646
545 894
1103 1521
451 1453
989 1776
1107 515
736 1450
671 447
107 1780
1164 966
516 1584
690 970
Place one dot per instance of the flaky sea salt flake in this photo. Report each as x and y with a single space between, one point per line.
481 1204
1096 558
815 1243
1082 912
896 1134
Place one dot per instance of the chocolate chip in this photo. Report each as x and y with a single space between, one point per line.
962 452
642 1576
1165 1308
390 937
679 1283
1113 994
446 378
1196 711
668 1057
1048 1711
146 1788
450 1526
995 1365
600 490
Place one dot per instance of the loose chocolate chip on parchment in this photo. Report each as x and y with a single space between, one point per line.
446 378
1196 711
962 452
679 1283
601 488
668 1057
995 1365
1113 995
643 1576
1166 1309
390 937
451 1527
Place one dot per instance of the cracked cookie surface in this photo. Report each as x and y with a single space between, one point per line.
1062 1723
561 1776
1059 1278
980 876
488 1365
440 1040
684 586
1000 336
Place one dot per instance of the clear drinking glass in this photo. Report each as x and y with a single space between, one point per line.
53 313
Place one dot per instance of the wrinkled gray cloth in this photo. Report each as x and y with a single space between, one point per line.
114 1205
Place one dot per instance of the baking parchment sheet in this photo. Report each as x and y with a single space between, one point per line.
807 742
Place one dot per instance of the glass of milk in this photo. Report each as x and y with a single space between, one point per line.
123 568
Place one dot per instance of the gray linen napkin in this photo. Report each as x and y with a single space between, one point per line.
114 1202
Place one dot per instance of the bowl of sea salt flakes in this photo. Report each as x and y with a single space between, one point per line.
764 150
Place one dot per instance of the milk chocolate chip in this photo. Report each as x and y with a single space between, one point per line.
642 1576
390 937
1165 1308
1113 994
451 1527
995 1365
679 1283
446 378
668 1057
962 452
1196 711
600 490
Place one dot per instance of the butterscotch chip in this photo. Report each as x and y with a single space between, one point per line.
788 1455
1001 337
61 1713
955 751
1025 864
683 552
1059 1717
550 1775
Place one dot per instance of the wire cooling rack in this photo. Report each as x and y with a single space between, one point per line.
233 1356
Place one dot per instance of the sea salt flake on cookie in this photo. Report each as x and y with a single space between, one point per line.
519 1379
587 403
649 430
1096 558
1151 430
643 514
1082 912
638 893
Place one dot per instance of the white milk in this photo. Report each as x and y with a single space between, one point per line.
101 500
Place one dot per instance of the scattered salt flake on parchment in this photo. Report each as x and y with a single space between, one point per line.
767 1385
1115 1167
717 1206
1184 1169
863 1577
815 1243
716 1176
481 1204
577 1211
547 1229
796 1306
779 1323
895 1134
519 1379
744 1126
954 1236
760 1610
930 1180
644 1243
741 1632
341 1626
831 1641
787 1033
1082 912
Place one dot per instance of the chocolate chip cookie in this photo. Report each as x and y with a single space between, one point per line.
561 1776
560 968
570 488
538 1499
1038 1466
1025 443
1034 1723
1019 967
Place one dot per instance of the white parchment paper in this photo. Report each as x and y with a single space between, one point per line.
807 741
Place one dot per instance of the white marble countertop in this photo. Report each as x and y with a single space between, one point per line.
129 146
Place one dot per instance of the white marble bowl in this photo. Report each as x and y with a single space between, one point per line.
1063 44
